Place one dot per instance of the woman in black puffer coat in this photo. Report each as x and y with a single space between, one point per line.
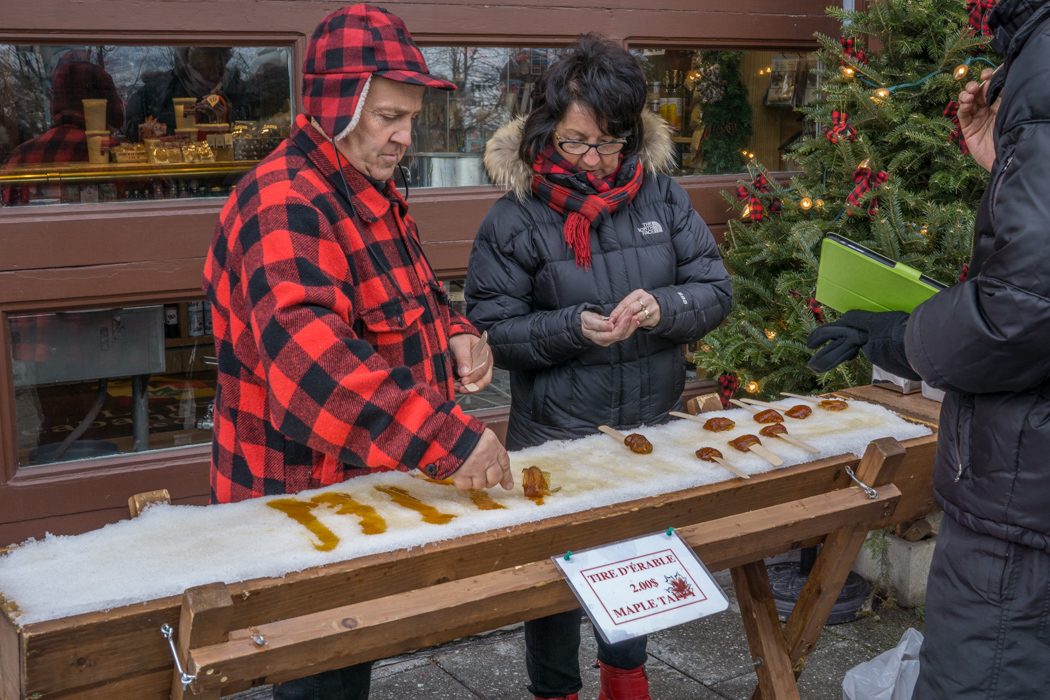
590 275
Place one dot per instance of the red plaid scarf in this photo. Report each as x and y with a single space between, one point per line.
980 11
563 188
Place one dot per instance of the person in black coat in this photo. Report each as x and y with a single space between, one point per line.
590 275
985 342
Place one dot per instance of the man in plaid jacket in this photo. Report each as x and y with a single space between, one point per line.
338 351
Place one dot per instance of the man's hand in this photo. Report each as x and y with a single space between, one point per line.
879 334
486 466
471 379
977 119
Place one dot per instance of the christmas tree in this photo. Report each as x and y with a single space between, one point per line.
886 167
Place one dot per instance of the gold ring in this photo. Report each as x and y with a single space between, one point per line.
641 304
648 313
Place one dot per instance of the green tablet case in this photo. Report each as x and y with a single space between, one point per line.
851 277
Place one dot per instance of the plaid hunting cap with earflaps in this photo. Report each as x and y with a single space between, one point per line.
348 47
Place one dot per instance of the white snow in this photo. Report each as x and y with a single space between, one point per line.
170 548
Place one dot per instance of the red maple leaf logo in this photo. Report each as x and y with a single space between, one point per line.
679 588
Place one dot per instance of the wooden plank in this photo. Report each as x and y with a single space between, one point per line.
205 619
373 629
776 681
913 406
11 657
90 649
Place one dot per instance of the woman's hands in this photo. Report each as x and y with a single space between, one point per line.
639 309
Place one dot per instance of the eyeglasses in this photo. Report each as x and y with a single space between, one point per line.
579 148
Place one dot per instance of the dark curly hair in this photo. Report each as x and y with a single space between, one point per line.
597 74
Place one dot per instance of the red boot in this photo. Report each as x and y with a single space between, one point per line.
623 684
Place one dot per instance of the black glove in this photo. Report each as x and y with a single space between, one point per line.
879 335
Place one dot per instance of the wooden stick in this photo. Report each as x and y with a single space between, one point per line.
741 404
763 404
811 399
798 443
766 454
615 434
730 468
687 416
477 353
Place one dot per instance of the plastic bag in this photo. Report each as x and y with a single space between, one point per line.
889 676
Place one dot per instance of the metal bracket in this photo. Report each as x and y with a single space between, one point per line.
872 493
185 678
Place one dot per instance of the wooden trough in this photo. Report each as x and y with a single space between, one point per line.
231 637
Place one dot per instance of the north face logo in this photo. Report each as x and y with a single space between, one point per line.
650 227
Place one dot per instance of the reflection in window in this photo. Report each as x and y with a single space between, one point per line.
103 123
727 107
110 381
495 85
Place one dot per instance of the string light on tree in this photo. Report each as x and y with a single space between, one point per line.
752 387
770 333
961 71
805 204
848 72
819 203
882 93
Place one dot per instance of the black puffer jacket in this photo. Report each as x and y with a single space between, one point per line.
987 340
524 287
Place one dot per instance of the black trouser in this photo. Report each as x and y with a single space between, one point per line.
987 628
552 654
350 683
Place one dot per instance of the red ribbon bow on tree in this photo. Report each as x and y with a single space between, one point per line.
727 386
979 11
753 206
865 180
849 48
814 306
840 128
952 112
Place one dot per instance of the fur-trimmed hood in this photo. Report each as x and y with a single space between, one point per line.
509 172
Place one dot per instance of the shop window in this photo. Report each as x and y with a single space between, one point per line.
494 85
110 381
114 123
727 107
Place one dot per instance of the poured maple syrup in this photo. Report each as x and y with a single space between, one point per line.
301 512
372 523
406 500
484 501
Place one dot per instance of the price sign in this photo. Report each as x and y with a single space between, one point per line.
642 585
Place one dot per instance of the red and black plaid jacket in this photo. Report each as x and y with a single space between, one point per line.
331 332
65 142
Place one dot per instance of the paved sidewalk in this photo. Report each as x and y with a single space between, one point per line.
704 660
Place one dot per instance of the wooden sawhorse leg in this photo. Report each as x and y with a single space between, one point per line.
780 653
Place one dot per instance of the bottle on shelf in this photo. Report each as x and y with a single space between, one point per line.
171 321
675 101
